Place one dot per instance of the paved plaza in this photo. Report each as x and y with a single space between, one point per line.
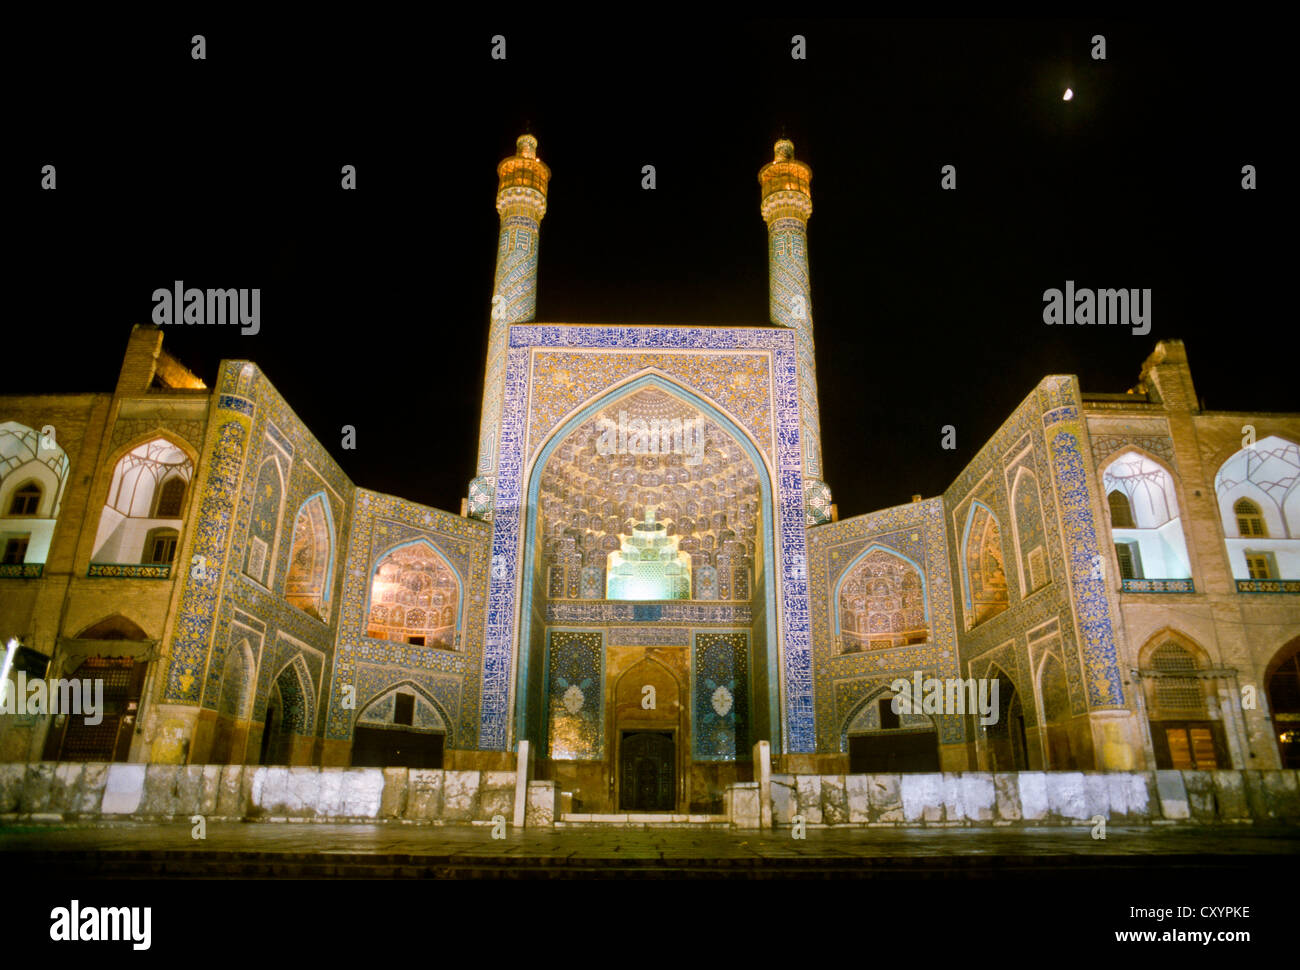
310 850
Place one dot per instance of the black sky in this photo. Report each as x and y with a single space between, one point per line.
927 304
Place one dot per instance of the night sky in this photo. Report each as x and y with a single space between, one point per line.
927 304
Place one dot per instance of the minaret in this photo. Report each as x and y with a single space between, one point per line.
786 206
521 204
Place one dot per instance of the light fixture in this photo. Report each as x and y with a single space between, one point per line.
10 650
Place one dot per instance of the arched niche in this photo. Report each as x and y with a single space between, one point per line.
415 597
311 562
147 492
880 602
1146 525
984 578
1263 546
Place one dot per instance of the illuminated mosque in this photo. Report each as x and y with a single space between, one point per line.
660 617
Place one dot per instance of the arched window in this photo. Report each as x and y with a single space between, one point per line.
1174 693
1250 519
1121 512
171 497
1185 734
1145 525
160 545
26 500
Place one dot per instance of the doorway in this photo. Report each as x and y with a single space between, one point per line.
394 748
647 761
109 740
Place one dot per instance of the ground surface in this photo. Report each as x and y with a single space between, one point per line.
307 850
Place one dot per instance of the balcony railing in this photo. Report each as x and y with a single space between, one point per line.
1268 586
130 570
1157 586
21 570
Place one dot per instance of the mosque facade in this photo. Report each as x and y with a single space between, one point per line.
649 578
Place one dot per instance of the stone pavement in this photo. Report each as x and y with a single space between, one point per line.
317 850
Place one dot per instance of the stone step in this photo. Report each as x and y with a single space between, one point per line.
642 820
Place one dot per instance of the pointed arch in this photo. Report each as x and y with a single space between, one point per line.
445 724
767 696
1282 683
1055 714
298 710
882 739
238 677
415 591
144 475
1258 489
1185 732
1030 532
311 563
1145 522
880 600
984 578
264 523
113 627
26 455
1006 738
1147 482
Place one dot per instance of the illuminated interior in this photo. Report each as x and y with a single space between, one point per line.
648 566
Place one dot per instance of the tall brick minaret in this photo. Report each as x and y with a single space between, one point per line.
786 206
521 204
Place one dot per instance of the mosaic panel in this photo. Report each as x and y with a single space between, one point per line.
264 523
575 694
1092 609
451 677
738 383
579 612
649 636
1027 518
192 634
720 720
435 698
917 532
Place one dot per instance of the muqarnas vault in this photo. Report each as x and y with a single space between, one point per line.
646 609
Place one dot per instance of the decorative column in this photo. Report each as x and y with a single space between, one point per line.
521 204
786 206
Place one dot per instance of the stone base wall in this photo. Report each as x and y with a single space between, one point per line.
1023 798
46 791
49 792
